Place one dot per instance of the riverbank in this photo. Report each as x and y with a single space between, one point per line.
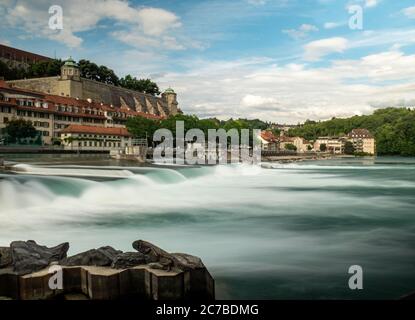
303 157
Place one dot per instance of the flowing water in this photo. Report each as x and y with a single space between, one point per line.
279 232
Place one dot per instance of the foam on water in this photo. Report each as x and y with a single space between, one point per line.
262 232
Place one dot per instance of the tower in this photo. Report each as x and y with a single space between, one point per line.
70 70
70 84
171 98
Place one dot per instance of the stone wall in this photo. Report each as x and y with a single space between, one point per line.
48 85
97 91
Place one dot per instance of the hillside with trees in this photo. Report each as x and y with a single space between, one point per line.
88 69
393 128
141 127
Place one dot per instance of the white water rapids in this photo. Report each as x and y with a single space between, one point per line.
281 231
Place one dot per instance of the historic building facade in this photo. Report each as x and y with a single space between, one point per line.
80 137
17 58
71 84
363 141
51 114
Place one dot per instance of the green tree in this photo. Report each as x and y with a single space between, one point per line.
290 147
19 129
141 85
44 69
141 127
393 128
349 148
92 71
323 147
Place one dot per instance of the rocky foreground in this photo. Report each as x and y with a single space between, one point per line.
28 269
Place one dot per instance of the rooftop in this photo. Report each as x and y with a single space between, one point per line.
75 128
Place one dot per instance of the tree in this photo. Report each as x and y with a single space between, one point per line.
323 147
141 127
393 128
92 71
349 148
290 147
19 129
44 69
141 85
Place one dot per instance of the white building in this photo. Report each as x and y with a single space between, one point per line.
90 138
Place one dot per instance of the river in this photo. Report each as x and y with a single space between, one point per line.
288 231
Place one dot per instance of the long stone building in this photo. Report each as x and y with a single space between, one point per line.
52 114
71 84
17 58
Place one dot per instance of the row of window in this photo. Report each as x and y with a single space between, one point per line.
99 144
30 103
32 114
63 108
41 124
12 56
6 109
98 136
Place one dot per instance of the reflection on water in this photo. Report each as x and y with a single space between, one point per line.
286 231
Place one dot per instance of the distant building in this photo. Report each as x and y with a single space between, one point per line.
50 114
284 141
333 145
363 141
269 142
71 84
302 144
81 137
17 58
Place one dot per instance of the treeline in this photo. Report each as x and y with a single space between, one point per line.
141 127
393 128
88 70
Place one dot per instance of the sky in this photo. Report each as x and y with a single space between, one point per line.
278 60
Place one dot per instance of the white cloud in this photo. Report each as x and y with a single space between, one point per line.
301 32
315 50
371 3
365 3
258 88
250 100
145 24
332 25
409 12
156 21
257 2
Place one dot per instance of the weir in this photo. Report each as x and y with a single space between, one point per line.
150 273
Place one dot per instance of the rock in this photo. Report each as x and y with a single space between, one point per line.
154 254
128 260
29 257
188 262
101 257
156 265
5 257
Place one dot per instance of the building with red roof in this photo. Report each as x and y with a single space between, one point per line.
50 114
